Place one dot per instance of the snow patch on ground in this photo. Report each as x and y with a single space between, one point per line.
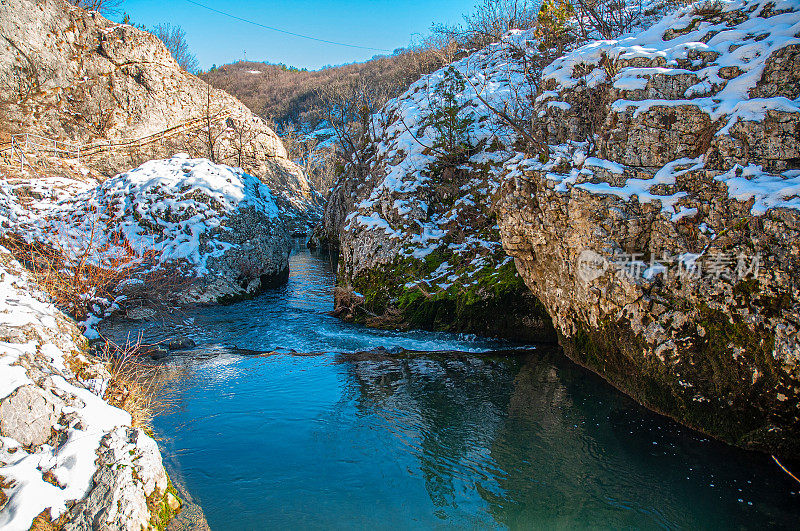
87 418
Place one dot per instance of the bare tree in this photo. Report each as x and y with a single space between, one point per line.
607 18
491 20
213 131
244 137
348 107
174 38
105 7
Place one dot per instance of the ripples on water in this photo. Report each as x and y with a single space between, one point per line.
477 438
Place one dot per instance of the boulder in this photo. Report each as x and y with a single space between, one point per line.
29 414
660 230
190 230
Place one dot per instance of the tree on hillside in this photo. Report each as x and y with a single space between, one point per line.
491 20
126 19
348 106
174 38
106 7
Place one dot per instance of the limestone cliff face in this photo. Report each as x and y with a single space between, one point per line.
72 75
418 234
662 234
657 224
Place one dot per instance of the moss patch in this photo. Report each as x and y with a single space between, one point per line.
162 506
490 300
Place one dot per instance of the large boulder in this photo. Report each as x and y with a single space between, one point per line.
419 240
202 232
661 229
28 415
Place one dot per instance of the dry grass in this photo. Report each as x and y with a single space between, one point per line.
710 8
139 388
75 281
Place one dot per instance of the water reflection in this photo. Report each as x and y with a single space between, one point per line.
513 439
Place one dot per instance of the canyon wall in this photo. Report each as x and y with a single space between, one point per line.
647 189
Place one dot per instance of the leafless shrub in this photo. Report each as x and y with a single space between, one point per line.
75 283
709 8
607 18
348 107
174 38
490 21
105 7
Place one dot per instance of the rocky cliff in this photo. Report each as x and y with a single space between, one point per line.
651 207
417 229
72 75
662 233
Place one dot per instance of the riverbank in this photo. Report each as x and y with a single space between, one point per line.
66 455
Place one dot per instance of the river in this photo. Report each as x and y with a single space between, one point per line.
278 422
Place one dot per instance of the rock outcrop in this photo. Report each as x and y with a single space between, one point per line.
215 230
72 75
66 456
168 233
661 235
653 209
418 234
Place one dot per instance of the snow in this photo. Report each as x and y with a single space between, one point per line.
607 165
640 188
71 463
167 207
766 190
744 46
375 221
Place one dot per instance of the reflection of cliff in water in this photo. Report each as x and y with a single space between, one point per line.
445 408
546 443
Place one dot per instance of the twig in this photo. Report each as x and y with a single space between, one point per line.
785 469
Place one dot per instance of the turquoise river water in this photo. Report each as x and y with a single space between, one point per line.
280 422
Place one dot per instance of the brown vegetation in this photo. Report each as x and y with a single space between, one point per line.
290 95
106 7
77 282
138 388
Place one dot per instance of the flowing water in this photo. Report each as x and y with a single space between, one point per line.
475 434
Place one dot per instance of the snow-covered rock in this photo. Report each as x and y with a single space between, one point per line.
57 436
655 214
215 228
418 232
661 230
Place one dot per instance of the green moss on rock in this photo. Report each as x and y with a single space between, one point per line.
723 384
491 301
164 506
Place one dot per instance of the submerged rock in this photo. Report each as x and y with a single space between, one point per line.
180 343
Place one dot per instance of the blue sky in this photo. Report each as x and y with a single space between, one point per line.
217 39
